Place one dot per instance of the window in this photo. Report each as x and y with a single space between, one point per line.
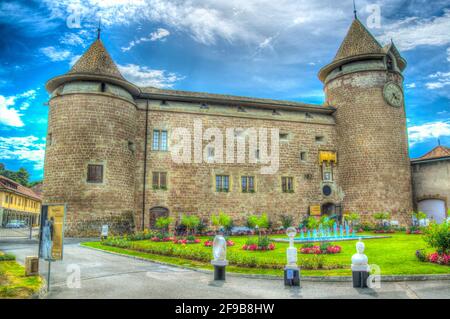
95 173
319 139
49 139
204 106
303 156
327 172
159 140
284 137
389 63
248 184
159 180
222 183
287 184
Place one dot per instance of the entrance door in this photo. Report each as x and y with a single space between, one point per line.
329 209
155 213
434 208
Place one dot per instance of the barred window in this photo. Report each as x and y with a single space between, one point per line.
95 173
248 184
222 183
287 184
159 180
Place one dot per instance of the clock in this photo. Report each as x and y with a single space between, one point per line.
393 94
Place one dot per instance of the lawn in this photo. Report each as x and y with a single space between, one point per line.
14 283
395 256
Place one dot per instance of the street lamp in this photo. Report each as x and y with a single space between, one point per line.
291 271
220 256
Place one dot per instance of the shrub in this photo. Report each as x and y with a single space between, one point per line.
351 218
7 257
441 259
163 223
260 221
421 255
222 220
438 237
286 221
190 222
312 223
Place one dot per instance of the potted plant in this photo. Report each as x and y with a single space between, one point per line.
191 222
222 220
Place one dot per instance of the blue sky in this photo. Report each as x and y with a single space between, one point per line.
264 48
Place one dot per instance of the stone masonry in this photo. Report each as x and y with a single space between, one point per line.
96 117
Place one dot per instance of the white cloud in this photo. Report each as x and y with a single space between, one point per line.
432 130
159 34
440 80
28 148
412 32
448 54
144 76
410 85
9 114
56 54
72 39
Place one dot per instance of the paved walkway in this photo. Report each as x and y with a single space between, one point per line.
105 275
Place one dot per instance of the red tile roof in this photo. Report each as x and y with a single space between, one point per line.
10 185
437 152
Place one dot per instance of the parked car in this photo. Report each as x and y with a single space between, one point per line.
16 224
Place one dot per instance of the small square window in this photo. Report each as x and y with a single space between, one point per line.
159 180
303 156
320 138
95 173
248 184
284 136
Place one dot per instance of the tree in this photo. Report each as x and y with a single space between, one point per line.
21 176
163 223
222 220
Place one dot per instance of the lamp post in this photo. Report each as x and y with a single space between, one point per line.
219 254
291 271
360 266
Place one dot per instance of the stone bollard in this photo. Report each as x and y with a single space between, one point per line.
219 254
291 271
360 267
31 266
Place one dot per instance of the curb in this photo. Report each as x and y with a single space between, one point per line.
42 292
386 278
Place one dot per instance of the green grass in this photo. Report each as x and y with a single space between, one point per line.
395 256
14 283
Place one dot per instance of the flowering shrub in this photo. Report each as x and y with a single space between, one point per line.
209 243
254 247
322 249
162 239
414 230
441 259
185 241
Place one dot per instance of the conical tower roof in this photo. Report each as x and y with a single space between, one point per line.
96 60
94 65
358 41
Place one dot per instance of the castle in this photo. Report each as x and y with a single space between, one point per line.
108 145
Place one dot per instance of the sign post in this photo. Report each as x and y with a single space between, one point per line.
51 235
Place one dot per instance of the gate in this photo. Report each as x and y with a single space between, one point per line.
14 224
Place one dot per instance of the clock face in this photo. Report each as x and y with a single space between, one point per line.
393 94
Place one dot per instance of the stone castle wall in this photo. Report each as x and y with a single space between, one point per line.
372 145
191 187
91 129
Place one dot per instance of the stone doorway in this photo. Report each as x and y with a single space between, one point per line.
329 209
155 213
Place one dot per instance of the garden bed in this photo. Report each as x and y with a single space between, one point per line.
14 283
395 256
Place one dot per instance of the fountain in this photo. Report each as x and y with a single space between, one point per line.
337 232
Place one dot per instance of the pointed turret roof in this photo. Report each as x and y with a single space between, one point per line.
96 60
358 41
94 65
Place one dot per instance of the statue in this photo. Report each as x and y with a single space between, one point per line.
360 267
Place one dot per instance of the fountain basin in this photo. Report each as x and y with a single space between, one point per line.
328 239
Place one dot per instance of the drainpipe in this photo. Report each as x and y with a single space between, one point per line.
145 167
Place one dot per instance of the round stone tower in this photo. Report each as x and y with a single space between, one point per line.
90 160
364 83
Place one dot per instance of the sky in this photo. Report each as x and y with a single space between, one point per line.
258 48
